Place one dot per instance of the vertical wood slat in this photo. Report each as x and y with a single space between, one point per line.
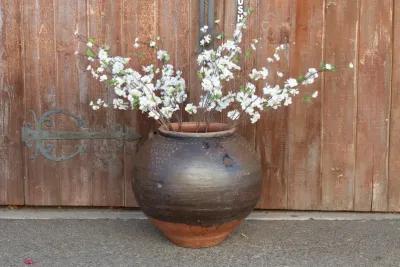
193 81
173 29
107 169
304 139
139 20
48 49
129 13
375 63
248 61
71 95
339 105
394 148
11 106
42 185
272 128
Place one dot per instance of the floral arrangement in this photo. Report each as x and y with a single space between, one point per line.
160 91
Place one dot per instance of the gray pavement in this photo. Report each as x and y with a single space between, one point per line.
117 242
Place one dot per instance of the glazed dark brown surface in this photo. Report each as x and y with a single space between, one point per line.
202 181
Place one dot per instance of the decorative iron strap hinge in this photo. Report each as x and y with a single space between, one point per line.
36 135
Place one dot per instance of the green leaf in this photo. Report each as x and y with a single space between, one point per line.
307 99
220 36
90 53
247 54
92 40
301 79
200 75
111 82
249 10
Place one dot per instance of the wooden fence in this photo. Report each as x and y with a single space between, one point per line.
340 152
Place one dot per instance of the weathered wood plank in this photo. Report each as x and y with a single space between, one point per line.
139 20
304 183
339 105
42 185
193 85
394 159
11 106
107 168
272 129
375 63
356 171
248 62
130 13
71 95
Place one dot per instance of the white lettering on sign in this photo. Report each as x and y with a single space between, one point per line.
240 10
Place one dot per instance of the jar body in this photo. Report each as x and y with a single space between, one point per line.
197 182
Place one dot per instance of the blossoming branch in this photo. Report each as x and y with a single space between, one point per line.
160 91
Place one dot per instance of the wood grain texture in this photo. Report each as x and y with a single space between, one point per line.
394 156
130 11
193 81
339 104
272 129
375 63
108 182
337 153
304 139
11 106
42 185
71 95
139 21
248 62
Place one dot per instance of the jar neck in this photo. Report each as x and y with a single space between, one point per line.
197 130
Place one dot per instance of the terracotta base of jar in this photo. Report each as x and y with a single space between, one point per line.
192 236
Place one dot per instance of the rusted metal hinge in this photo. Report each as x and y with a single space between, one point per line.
37 134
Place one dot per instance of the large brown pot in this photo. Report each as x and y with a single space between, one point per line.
197 187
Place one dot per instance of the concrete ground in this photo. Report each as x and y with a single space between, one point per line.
134 242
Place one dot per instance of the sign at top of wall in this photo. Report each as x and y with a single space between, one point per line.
240 10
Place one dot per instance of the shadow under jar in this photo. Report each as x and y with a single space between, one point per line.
197 186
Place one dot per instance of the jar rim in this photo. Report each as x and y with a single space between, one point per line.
197 130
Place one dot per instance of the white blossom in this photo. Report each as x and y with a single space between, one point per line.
291 82
259 74
103 78
103 55
329 66
163 55
136 43
204 29
311 75
233 114
255 117
191 109
160 91
206 40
